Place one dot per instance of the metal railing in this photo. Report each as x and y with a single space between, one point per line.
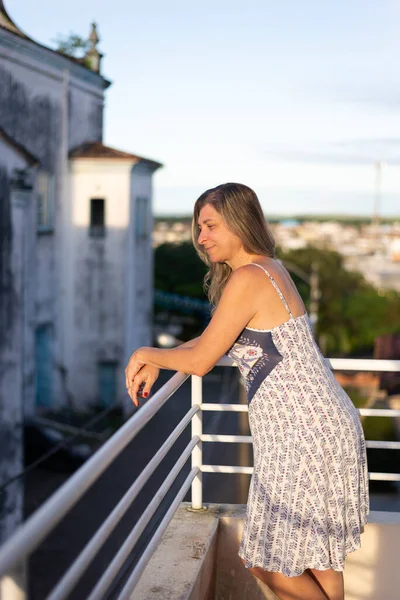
29 536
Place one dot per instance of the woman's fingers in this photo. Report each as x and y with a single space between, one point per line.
135 385
126 378
147 388
132 368
139 383
141 387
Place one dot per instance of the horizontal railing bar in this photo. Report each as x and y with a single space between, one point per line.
226 469
71 577
155 540
363 364
384 476
382 444
99 591
36 528
249 471
342 364
245 439
372 412
225 407
379 412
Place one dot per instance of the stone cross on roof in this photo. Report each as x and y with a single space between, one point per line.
93 56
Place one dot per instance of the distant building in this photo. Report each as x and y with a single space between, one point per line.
380 270
172 232
75 244
289 223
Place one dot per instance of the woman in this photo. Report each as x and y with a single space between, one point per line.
308 498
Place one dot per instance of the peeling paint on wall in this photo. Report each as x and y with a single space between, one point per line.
10 496
7 299
10 369
32 121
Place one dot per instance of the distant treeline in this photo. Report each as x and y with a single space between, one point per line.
351 312
345 219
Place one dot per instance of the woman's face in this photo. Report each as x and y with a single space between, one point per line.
219 242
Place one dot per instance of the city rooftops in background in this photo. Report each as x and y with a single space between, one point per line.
373 250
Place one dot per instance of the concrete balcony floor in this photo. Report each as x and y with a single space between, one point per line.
197 559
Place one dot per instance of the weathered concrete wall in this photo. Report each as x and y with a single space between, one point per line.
85 115
15 218
48 105
10 372
30 114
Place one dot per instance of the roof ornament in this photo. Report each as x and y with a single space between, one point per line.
93 56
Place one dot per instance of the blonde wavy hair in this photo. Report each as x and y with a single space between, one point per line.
241 211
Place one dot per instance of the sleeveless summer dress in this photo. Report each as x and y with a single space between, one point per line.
308 497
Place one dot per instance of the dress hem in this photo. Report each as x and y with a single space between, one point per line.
300 571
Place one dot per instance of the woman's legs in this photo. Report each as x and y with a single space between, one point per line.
330 581
310 585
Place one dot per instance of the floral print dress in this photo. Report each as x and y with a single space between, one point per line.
308 498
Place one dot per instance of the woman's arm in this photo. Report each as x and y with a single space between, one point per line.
235 309
190 343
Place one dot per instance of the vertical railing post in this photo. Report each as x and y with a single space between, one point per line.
197 452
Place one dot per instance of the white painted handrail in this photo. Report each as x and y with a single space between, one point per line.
37 527
363 364
134 578
341 364
29 536
123 553
68 581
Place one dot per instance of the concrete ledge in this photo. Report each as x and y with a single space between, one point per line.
197 560
184 565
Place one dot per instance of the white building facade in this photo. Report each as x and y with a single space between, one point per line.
108 271
76 255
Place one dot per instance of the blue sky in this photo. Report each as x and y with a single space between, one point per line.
296 99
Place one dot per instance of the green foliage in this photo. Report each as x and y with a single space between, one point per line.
178 269
72 45
351 313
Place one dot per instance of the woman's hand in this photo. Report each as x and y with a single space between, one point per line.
139 378
143 382
133 367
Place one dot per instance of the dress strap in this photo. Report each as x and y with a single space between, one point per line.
281 296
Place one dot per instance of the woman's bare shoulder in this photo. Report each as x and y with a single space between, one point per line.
253 278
